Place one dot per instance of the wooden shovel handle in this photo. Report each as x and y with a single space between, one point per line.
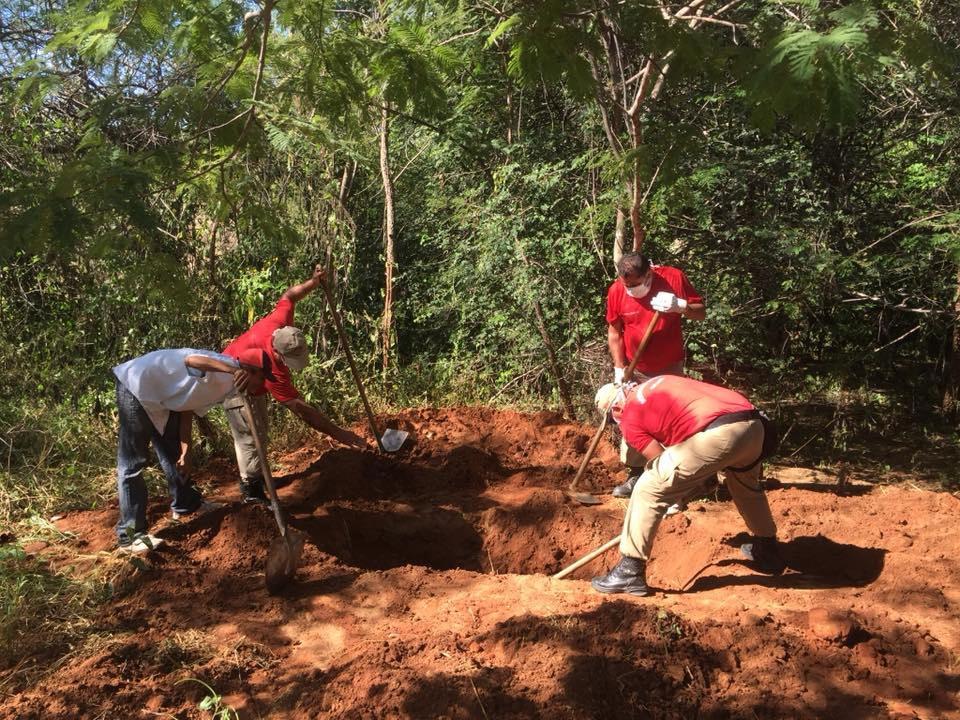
256 431
641 348
627 374
353 366
586 558
589 454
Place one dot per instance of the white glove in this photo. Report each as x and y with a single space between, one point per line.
666 302
617 376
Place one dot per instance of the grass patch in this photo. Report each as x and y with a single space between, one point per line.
53 458
184 649
47 613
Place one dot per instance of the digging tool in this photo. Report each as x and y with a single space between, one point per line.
586 558
391 440
585 498
284 553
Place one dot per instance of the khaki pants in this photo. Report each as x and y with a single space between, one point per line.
681 468
629 455
247 458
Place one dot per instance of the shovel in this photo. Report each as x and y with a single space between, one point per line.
391 440
585 498
284 553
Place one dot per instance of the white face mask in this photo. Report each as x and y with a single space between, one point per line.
620 400
641 290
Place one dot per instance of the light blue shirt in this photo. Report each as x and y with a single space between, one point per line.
162 382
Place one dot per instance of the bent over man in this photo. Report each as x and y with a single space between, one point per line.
157 397
687 430
640 290
285 345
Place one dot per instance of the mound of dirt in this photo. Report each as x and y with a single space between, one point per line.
425 591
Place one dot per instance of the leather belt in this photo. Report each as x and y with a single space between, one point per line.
733 417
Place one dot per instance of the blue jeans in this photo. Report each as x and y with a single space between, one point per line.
136 434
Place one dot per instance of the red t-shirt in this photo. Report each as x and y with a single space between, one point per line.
666 343
260 336
672 408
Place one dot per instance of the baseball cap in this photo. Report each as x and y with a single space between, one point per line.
290 344
606 395
258 359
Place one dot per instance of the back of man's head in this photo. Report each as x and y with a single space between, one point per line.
633 264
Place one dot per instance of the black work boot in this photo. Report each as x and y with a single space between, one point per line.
625 490
626 577
251 491
764 555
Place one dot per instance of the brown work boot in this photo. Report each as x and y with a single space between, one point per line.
626 577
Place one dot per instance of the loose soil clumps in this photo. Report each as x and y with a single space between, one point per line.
425 591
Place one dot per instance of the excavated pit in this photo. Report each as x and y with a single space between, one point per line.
489 499
423 591
484 496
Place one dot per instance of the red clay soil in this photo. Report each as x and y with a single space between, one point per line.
425 592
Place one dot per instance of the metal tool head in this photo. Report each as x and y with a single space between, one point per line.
282 559
585 498
393 440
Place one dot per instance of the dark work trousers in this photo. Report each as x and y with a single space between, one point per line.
136 434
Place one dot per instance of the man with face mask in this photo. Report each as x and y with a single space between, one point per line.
687 431
641 289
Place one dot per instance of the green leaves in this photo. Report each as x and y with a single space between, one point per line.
503 28
815 69
810 75
548 41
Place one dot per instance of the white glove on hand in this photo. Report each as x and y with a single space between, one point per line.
666 302
617 376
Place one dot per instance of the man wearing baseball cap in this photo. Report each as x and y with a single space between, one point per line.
286 347
687 430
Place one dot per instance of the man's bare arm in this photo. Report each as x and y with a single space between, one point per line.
205 363
321 423
615 343
242 377
186 442
695 311
296 293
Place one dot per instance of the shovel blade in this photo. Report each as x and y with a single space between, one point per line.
393 440
282 559
585 498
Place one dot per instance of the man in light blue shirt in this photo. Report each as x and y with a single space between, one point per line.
157 397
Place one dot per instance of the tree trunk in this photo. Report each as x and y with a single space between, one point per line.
619 235
212 280
562 386
387 324
951 394
346 181
639 231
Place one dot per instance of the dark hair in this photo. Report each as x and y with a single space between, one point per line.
633 264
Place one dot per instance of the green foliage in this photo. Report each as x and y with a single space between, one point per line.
815 68
43 609
213 703
147 201
547 45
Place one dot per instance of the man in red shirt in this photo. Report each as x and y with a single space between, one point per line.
641 289
287 350
687 430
